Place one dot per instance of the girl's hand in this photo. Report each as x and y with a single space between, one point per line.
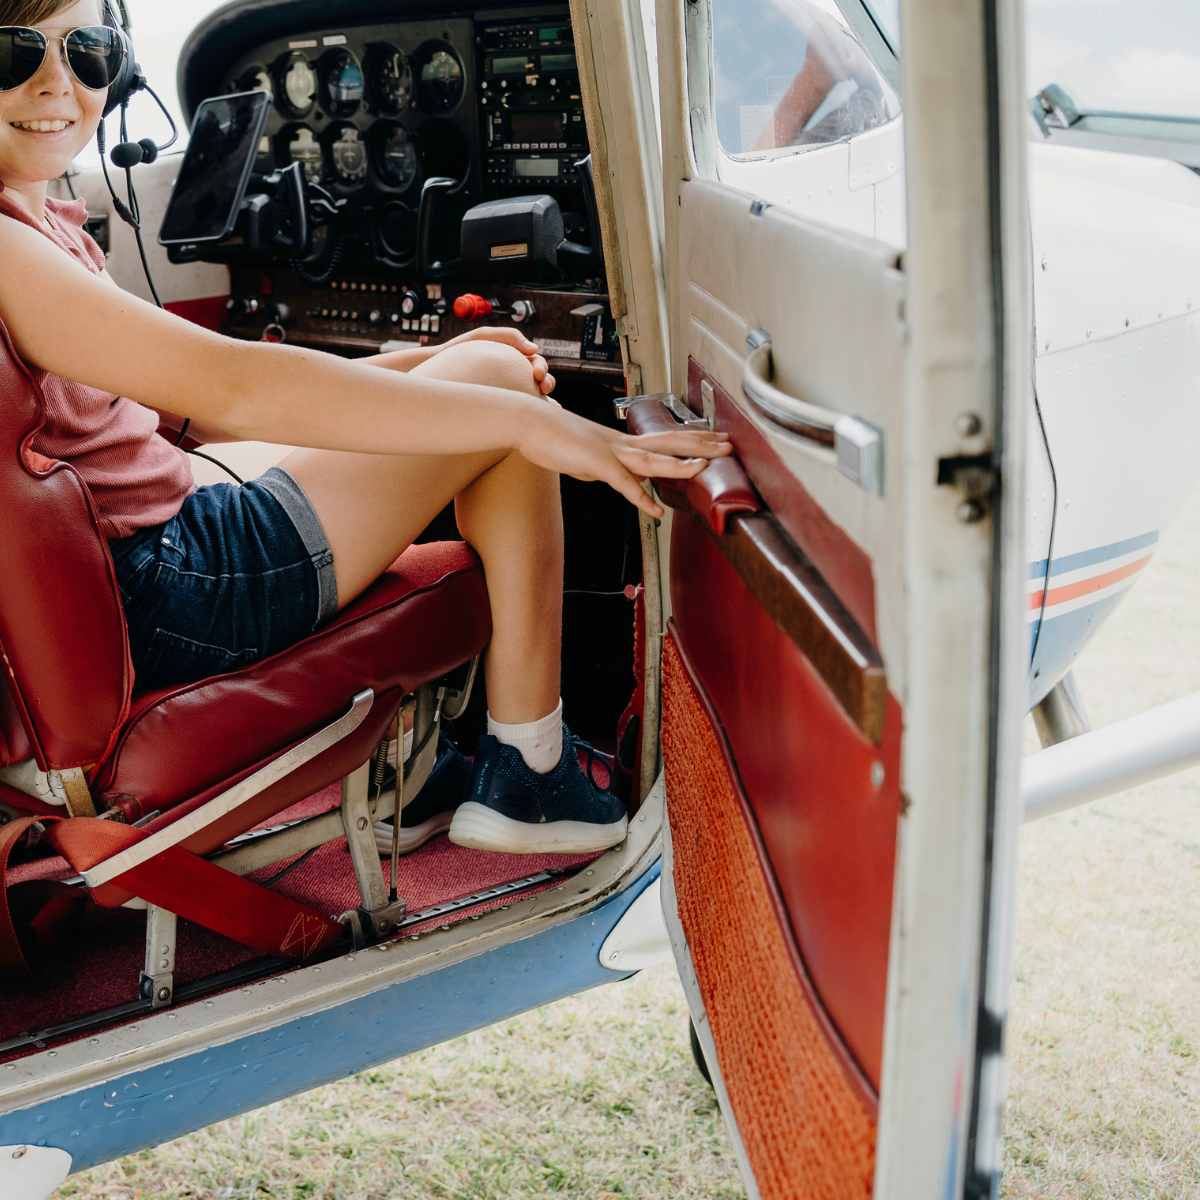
563 442
509 336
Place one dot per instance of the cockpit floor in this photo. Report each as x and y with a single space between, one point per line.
102 968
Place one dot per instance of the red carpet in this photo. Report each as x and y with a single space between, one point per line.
102 969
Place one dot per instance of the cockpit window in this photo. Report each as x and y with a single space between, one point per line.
1117 56
789 74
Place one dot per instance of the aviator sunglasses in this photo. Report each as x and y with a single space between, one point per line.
93 54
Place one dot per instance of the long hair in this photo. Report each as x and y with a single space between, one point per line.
32 12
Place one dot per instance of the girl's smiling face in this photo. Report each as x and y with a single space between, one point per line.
47 121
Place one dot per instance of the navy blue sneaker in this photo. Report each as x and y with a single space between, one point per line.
515 810
432 810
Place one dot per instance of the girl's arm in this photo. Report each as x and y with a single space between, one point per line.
69 322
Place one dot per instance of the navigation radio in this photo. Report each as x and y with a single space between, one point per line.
530 104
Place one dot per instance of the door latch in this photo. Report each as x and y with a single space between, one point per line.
974 475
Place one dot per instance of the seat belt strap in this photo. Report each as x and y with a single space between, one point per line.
176 880
36 917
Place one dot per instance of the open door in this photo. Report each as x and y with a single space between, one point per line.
842 645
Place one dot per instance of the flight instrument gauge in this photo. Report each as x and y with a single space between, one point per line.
343 82
299 145
349 154
397 156
440 79
297 84
390 80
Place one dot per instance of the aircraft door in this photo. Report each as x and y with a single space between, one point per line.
843 644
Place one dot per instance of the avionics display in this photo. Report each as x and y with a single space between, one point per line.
542 168
510 66
559 62
216 168
537 126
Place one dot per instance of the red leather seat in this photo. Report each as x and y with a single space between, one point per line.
68 696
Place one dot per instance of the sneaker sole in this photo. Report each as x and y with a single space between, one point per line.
480 828
412 838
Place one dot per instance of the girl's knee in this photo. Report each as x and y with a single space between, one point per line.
491 363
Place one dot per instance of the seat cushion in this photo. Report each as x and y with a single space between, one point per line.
181 746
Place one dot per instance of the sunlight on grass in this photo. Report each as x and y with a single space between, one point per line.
595 1096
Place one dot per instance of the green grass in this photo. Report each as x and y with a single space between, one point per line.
593 1097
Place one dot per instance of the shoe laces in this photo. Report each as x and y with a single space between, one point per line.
593 755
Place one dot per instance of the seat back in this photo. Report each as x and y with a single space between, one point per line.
67 674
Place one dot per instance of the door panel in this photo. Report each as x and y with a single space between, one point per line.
824 798
804 1114
809 780
824 916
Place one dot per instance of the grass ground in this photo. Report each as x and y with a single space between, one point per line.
1104 1075
593 1097
597 1097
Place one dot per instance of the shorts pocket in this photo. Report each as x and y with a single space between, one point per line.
171 658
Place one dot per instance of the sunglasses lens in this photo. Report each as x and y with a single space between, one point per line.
21 54
95 54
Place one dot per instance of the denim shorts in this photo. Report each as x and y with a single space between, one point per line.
237 574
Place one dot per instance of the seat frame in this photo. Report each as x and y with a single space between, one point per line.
381 908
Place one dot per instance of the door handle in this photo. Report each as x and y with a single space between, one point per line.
858 447
779 575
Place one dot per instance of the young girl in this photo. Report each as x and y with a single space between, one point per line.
218 577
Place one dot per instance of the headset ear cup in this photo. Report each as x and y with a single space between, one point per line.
124 85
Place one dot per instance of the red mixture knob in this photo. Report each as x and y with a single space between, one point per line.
470 307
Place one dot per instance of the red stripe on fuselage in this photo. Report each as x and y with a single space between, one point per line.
1071 591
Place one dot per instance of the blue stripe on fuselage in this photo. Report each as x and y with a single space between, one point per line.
1057 641
1085 558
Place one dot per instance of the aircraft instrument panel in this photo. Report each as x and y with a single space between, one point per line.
371 112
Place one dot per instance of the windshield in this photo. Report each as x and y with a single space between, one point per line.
1134 56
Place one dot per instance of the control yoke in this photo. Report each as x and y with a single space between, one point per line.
276 220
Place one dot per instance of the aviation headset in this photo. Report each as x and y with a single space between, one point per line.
128 83
116 16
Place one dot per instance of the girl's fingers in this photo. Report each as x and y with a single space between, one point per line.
685 444
637 496
662 466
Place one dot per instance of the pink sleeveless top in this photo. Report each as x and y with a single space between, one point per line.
136 478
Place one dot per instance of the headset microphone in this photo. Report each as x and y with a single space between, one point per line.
128 154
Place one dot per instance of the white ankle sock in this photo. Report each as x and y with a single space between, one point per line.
540 742
408 745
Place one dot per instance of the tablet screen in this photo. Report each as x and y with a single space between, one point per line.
216 168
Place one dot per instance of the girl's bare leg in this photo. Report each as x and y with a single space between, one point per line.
373 506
